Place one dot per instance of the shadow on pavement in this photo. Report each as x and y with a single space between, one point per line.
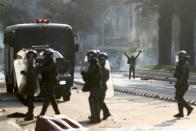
16 115
87 123
167 123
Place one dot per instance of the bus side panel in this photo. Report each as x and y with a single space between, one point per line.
7 40
12 71
8 61
6 65
70 55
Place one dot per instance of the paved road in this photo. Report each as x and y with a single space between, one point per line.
129 113
152 88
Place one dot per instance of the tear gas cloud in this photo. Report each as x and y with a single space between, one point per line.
110 19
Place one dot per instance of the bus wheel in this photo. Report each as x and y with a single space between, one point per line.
66 95
66 98
57 96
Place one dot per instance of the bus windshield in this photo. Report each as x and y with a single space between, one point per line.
55 37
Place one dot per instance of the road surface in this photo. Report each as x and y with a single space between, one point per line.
129 112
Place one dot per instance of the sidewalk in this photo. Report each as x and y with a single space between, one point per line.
161 75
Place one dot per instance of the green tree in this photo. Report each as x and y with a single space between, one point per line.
165 11
165 31
3 5
186 11
12 14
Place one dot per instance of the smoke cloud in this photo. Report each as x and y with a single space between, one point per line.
112 26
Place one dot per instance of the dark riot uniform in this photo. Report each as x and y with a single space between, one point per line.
182 75
93 77
27 94
105 76
49 81
131 62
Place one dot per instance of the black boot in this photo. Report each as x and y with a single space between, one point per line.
28 117
106 116
29 114
179 115
180 109
189 110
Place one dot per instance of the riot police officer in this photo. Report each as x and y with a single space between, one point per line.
93 77
131 61
105 76
49 81
182 74
27 93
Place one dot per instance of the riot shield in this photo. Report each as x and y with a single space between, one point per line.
19 65
85 65
24 87
110 90
84 68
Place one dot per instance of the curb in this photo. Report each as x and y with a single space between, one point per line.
156 96
169 79
139 93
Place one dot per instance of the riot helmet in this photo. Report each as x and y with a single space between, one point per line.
47 54
98 52
182 55
30 57
103 58
92 55
31 54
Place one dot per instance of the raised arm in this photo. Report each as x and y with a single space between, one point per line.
126 55
139 52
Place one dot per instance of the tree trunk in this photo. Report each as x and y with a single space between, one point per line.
186 34
165 34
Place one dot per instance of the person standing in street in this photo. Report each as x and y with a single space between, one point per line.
105 76
182 74
27 93
132 61
49 81
93 77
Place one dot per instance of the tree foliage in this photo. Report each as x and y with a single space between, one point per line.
185 10
79 14
3 5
